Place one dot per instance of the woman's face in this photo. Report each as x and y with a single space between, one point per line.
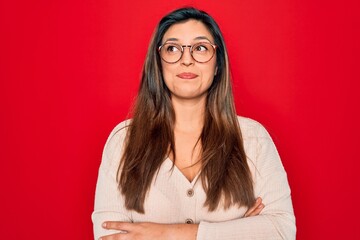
188 79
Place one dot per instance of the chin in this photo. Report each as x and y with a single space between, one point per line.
189 95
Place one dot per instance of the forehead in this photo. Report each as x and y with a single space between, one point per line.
187 31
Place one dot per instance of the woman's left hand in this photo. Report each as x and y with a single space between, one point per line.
149 231
256 209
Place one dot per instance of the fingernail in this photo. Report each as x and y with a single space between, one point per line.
258 200
104 226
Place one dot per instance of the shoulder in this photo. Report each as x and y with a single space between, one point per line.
118 132
121 128
115 142
259 147
252 129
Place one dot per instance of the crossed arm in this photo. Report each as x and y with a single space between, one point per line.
275 221
155 231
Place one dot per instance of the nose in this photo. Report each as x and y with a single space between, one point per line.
186 58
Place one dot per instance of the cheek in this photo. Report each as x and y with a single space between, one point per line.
209 73
167 72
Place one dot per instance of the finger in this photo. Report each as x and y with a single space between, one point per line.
123 226
257 210
257 203
116 236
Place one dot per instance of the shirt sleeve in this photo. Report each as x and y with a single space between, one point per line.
276 220
109 204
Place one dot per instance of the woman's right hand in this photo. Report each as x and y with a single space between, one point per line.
256 209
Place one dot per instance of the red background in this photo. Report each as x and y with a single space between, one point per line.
69 71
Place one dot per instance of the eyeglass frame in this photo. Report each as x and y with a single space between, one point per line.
190 49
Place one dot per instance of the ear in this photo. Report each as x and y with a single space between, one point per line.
215 71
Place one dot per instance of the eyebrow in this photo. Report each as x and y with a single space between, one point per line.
197 38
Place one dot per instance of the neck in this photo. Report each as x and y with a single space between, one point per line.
189 113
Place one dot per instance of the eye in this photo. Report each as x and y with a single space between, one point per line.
201 47
172 48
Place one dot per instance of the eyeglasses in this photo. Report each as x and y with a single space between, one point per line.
201 52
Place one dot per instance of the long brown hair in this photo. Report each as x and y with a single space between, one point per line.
225 173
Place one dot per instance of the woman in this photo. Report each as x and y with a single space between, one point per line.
185 166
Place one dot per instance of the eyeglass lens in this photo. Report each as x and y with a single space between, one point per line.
201 52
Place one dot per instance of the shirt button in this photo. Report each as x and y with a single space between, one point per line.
190 192
189 221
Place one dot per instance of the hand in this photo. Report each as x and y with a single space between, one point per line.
256 209
149 231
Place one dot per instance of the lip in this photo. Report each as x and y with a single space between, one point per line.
187 75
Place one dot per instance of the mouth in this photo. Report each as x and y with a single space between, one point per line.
187 75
